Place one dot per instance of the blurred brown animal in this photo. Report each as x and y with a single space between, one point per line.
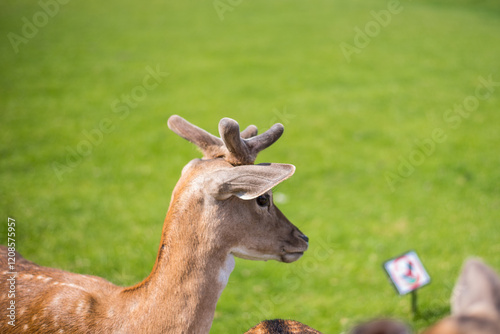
381 326
475 303
279 326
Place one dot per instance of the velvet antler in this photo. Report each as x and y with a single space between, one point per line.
235 147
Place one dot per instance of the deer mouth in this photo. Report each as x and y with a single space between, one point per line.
289 257
283 256
293 252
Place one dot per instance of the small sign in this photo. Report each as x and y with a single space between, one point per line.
407 272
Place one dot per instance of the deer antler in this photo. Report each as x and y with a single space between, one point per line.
235 147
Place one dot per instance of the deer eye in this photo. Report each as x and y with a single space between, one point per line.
263 200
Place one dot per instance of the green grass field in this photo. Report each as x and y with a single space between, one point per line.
396 140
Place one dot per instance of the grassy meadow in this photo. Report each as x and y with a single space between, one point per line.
391 115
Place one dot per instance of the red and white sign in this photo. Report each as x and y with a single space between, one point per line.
407 272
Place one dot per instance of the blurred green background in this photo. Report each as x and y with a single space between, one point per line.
356 126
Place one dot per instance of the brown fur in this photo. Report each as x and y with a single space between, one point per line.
381 326
212 217
279 326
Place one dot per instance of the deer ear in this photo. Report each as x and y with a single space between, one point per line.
477 291
248 181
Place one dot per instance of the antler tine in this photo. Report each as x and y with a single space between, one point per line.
266 139
250 131
229 131
208 143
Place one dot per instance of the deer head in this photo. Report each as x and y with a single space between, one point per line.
236 194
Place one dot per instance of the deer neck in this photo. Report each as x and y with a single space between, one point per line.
190 273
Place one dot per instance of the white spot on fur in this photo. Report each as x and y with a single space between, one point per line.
134 305
40 277
80 307
25 327
111 313
33 318
92 278
71 285
21 311
55 301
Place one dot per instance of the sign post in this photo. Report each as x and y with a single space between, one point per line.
407 274
414 308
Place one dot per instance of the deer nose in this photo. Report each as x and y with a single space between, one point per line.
304 237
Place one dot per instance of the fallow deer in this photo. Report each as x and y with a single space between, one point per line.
475 302
221 207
